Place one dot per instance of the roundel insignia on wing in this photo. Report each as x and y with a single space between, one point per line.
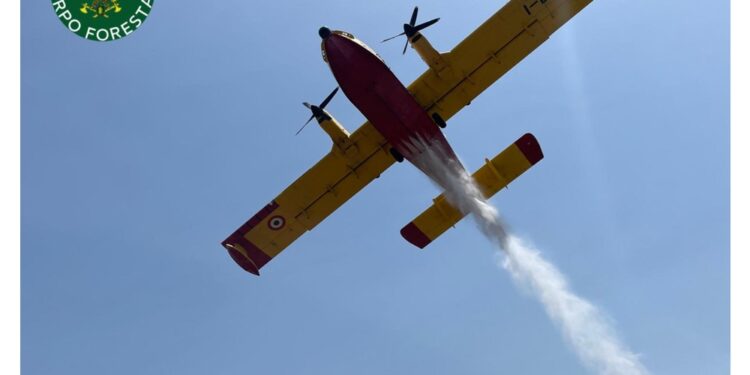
276 222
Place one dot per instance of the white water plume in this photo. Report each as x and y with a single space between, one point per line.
583 325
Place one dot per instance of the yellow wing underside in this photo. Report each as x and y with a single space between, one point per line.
484 56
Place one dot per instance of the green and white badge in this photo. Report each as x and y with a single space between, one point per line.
102 20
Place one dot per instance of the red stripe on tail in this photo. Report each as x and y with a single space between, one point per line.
414 235
530 148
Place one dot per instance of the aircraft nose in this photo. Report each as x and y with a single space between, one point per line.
324 32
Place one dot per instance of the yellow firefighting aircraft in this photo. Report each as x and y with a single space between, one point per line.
398 118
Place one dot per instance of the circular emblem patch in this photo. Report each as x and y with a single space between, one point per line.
102 20
276 222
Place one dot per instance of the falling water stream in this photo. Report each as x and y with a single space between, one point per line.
582 324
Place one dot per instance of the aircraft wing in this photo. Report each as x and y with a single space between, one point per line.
489 52
310 199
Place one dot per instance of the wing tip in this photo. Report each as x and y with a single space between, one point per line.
530 148
241 259
415 236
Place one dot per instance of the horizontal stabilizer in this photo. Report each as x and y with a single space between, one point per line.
493 176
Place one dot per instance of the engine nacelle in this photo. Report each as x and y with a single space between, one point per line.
339 135
429 55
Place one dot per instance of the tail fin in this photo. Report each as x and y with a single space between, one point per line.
493 176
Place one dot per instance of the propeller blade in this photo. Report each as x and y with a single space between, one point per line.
393 37
308 105
303 126
414 16
410 30
426 24
329 97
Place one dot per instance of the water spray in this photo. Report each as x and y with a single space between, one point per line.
583 326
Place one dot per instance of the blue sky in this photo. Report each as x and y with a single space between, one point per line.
139 156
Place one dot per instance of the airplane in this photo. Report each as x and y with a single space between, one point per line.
397 117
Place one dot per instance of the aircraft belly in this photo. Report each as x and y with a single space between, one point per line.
382 99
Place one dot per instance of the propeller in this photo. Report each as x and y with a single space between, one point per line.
410 29
317 110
